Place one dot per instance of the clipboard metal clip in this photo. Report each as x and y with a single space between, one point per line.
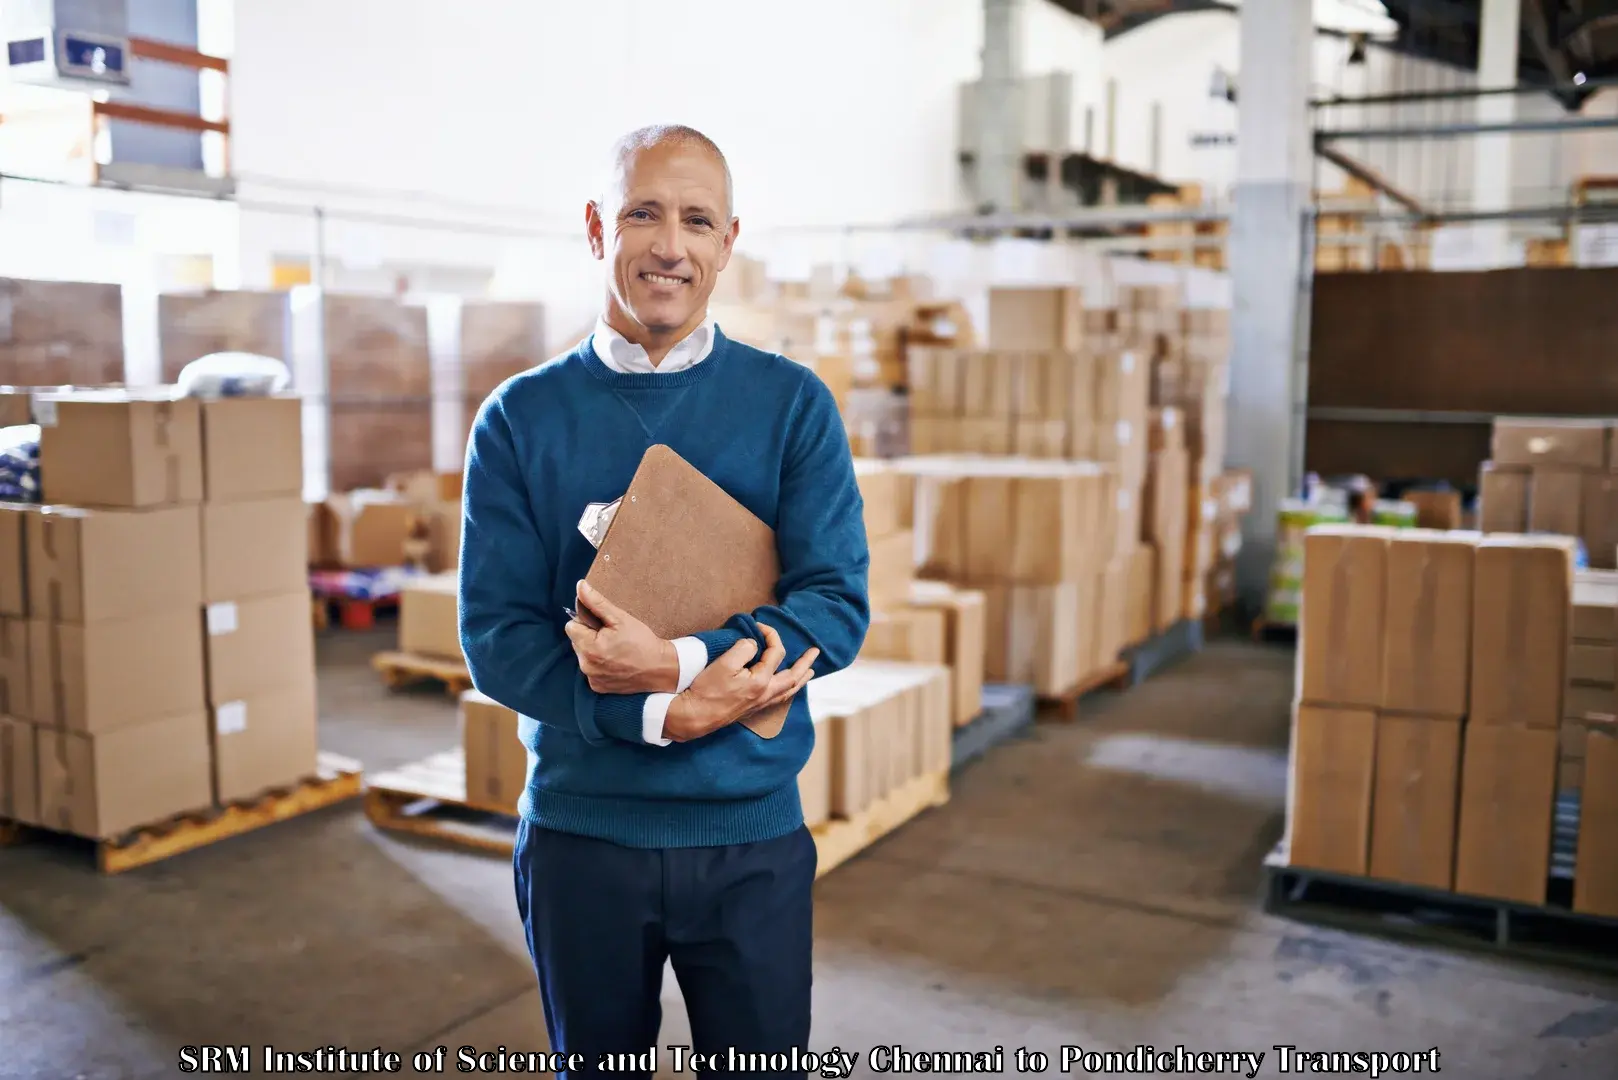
596 519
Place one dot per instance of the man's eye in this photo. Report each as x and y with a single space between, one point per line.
639 215
701 223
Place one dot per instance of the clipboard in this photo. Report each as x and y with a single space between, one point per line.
682 556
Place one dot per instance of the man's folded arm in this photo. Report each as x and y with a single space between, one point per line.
515 649
823 599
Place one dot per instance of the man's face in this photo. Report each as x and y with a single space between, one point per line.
667 233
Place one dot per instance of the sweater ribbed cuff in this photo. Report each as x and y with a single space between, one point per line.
621 716
718 642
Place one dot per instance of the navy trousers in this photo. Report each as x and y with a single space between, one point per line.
602 919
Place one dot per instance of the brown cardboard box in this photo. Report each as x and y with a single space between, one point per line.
1333 761
105 784
1166 497
1139 615
429 616
89 565
1595 881
1032 634
1112 615
1344 594
1502 499
1427 655
1436 509
116 673
367 528
1581 700
847 741
893 568
1520 629
1508 790
496 760
268 740
1533 441
258 646
13 564
1556 501
252 447
882 489
1592 663
914 634
1035 318
116 448
965 612
1599 519
15 699
814 780
1595 606
1415 799
19 771
254 547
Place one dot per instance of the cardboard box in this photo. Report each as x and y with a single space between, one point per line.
1521 607
1508 791
1436 509
908 633
1340 643
15 678
1556 501
893 568
1599 519
496 760
429 623
364 529
1139 614
254 547
1595 606
269 740
1581 700
13 564
117 448
88 565
1427 655
1035 318
19 771
882 489
1415 800
1032 636
1592 663
116 673
814 780
1333 762
105 784
1502 499
1595 880
1534 441
965 613
1112 609
252 447
258 646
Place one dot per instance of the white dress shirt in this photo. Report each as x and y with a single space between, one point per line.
623 355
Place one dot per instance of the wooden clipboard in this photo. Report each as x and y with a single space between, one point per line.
682 556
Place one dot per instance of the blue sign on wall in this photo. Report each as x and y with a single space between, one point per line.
87 56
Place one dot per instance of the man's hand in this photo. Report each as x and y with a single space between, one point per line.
624 656
728 689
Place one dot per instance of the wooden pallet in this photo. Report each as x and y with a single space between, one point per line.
338 779
400 669
428 799
1113 676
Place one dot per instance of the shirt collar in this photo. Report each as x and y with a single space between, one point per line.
623 355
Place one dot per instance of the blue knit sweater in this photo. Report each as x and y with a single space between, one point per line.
571 432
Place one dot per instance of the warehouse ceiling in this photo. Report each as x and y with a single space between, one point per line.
1562 40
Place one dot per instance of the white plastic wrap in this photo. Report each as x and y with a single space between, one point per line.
234 374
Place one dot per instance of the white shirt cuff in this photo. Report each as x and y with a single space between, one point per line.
651 718
693 659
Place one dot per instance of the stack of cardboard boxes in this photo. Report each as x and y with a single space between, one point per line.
1038 539
878 726
1431 676
1553 476
924 622
1166 513
168 659
1591 703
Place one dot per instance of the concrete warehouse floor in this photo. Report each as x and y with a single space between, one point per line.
1093 885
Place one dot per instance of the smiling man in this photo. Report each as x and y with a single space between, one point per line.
654 827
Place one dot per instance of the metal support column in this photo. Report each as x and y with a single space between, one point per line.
1267 247
1499 29
999 117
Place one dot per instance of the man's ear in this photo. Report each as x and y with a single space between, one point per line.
595 229
729 243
